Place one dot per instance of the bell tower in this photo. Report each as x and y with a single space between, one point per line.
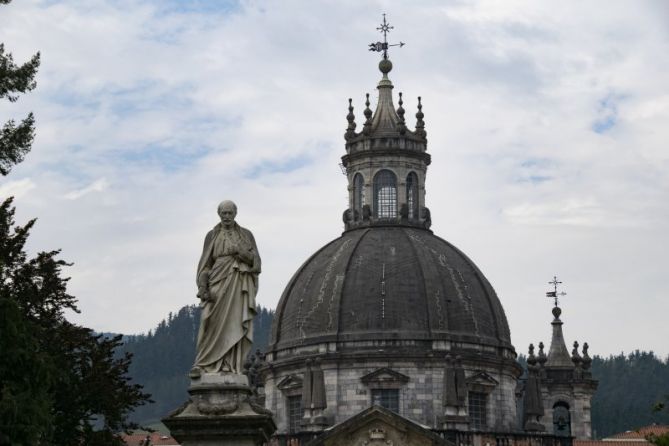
386 163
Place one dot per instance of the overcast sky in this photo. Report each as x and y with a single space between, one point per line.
547 122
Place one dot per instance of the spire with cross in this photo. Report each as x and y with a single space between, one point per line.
382 47
554 294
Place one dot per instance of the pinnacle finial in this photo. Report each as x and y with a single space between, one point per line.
575 357
542 356
368 117
531 359
420 124
400 113
350 130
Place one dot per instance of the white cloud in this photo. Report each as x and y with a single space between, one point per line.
96 186
16 188
180 109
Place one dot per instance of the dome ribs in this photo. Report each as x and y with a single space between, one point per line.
423 283
358 262
493 310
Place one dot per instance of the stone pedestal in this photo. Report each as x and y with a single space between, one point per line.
454 418
220 412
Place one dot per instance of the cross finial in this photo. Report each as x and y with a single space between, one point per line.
554 294
383 46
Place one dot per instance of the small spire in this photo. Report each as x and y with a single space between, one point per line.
420 124
587 360
575 357
368 115
400 113
350 130
531 359
542 356
558 355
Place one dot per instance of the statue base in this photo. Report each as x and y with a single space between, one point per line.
534 426
454 419
220 412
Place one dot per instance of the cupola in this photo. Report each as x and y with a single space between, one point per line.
386 162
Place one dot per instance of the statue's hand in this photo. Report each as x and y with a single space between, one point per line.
203 294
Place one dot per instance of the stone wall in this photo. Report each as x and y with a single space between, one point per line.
420 396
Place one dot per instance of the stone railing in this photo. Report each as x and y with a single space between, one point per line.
458 438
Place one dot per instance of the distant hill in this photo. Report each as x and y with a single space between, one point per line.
629 385
163 357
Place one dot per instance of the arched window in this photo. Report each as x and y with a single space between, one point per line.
561 419
412 195
385 194
358 193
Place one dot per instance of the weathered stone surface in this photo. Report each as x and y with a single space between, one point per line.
220 412
227 280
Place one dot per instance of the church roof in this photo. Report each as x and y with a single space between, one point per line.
392 282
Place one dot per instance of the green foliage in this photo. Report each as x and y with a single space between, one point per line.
25 402
629 388
60 383
163 357
16 140
658 440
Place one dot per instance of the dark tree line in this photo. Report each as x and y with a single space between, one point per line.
163 357
630 388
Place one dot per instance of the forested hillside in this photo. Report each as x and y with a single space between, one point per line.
629 388
629 385
163 357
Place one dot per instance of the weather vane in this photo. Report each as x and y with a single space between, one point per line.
554 294
383 46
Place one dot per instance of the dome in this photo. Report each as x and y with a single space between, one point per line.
389 283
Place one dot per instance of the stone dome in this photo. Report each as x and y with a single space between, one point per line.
392 282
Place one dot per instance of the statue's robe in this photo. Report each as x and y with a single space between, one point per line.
226 327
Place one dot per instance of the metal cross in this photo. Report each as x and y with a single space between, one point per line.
554 294
383 46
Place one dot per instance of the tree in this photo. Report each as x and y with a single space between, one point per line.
60 383
15 139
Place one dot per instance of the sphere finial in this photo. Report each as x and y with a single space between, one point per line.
385 66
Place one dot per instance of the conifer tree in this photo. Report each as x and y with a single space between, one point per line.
15 139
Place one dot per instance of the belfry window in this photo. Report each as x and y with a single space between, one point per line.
412 195
561 419
478 410
385 194
358 193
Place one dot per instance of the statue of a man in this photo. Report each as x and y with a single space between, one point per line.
227 281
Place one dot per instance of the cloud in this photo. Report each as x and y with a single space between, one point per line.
96 186
16 188
546 126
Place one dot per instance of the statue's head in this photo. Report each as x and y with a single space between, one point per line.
227 210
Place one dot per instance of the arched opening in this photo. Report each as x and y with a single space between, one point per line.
412 195
385 194
561 419
358 193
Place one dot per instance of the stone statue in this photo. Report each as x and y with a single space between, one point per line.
227 281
